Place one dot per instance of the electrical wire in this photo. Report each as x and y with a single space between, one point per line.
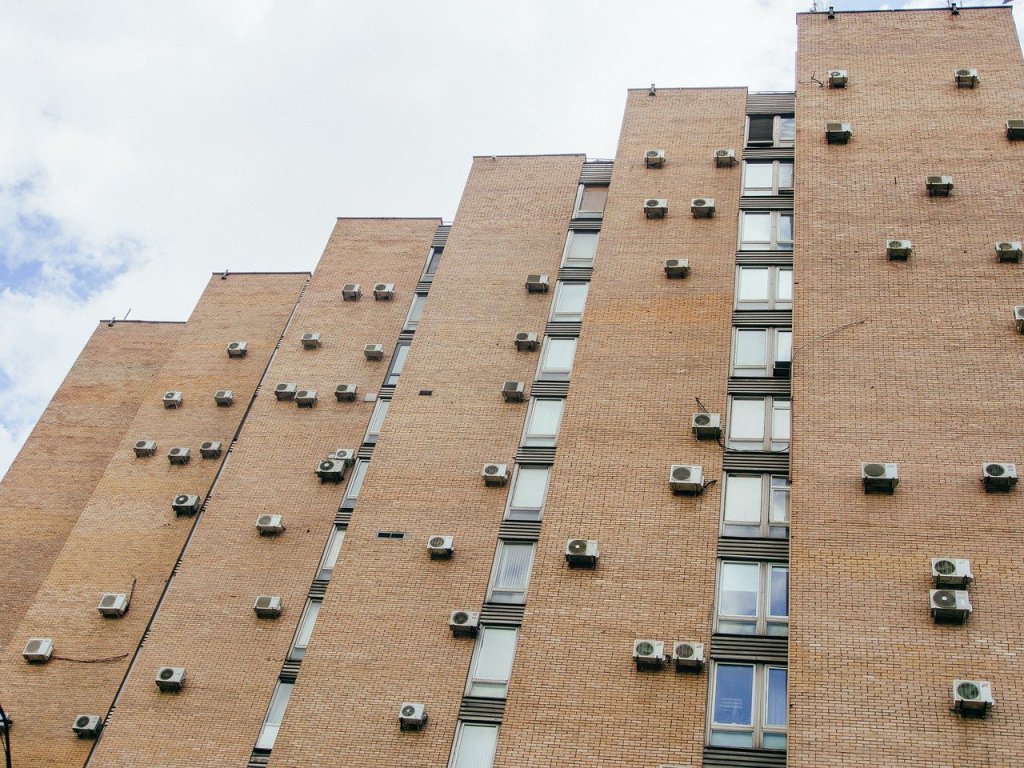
5 736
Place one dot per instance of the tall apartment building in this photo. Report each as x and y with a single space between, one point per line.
527 489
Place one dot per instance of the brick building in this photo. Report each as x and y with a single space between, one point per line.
536 475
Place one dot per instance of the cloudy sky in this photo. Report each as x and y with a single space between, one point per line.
144 144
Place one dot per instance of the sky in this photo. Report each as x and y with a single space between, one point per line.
145 144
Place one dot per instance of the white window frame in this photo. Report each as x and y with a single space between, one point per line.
397 363
579 213
777 279
547 372
569 261
455 762
329 559
777 126
427 273
775 188
412 319
380 412
773 243
514 512
507 594
762 622
275 715
757 730
775 348
773 408
475 681
542 439
355 483
773 503
565 316
307 621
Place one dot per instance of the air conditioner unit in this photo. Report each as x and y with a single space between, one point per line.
373 351
495 475
513 391
351 292
939 186
649 654
114 604
1015 129
384 291
87 726
837 78
1018 319
345 392
185 504
702 207
464 623
966 78
972 698
526 342
677 268
879 477
655 208
706 426
38 650
172 399
305 398
899 250
951 572
581 553
687 479
285 391
688 656
999 477
725 158
838 133
237 349
654 158
170 678
412 716
267 606
270 525
537 283
1009 252
224 397
440 547
331 471
348 455
179 455
211 449
145 448
310 340
950 605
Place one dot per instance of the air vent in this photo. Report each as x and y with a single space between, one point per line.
950 605
838 133
310 341
38 650
702 207
686 479
113 604
1015 129
513 391
581 553
706 426
677 268
185 504
966 78
87 726
224 397
649 654
951 572
305 398
526 342
346 392
939 186
725 158
688 656
654 158
270 525
412 716
373 351
351 292
237 349
267 606
464 623
837 78
145 448
170 678
655 208
898 250
1009 252
211 449
972 698
999 477
537 283
495 475
172 399
879 477
285 391
440 547
384 291
179 455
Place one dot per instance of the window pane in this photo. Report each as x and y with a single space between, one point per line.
785 232
476 745
570 299
355 481
512 572
593 199
433 260
775 711
418 300
743 499
785 175
380 410
784 345
757 178
531 486
756 231
780 500
761 128
747 422
580 248
784 285
751 348
545 418
272 724
492 663
737 589
734 690
778 591
780 420
330 558
753 284
305 630
558 355
787 129
397 363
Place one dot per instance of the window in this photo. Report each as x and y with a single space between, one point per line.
771 130
590 200
305 630
474 746
529 489
748 706
766 231
275 714
330 557
758 424
753 599
413 319
380 410
556 359
756 506
771 177
397 364
355 483
542 422
580 248
511 574
756 350
570 299
433 260
764 288
492 662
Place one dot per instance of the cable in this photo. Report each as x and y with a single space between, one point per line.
5 736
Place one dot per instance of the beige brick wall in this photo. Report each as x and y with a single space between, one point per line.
63 459
929 376
128 530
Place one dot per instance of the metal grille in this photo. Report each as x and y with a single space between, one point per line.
290 670
533 455
343 517
477 710
768 153
586 225
780 103
318 589
441 236
405 336
772 317
423 286
734 548
523 530
596 172
781 203
259 758
774 650
386 391
723 757
549 389
365 451
783 258
501 614
748 386
755 461
583 274
563 329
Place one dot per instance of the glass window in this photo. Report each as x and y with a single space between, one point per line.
330 557
756 350
397 364
755 506
787 130
305 630
355 482
511 574
433 261
556 358
529 490
766 231
753 598
580 248
570 299
771 130
759 424
380 411
413 319
590 200
770 177
764 288
474 746
543 422
275 714
492 662
748 706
